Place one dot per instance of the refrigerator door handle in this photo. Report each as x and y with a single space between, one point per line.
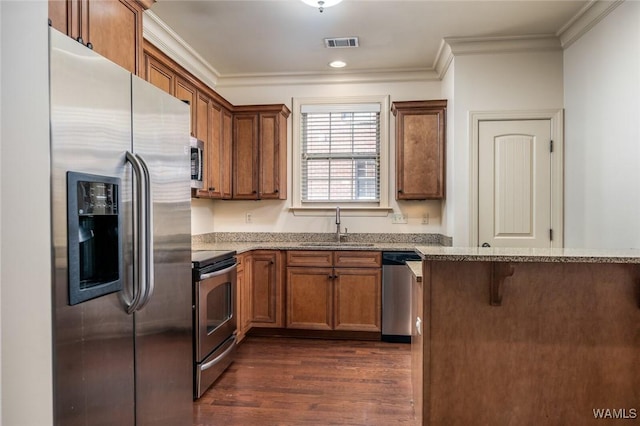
139 240
148 224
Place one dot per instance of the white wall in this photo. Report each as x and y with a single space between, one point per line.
493 82
602 133
448 205
25 251
274 216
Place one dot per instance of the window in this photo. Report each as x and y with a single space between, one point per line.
340 153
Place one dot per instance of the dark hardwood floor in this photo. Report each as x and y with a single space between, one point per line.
287 381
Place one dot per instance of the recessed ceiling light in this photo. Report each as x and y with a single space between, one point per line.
337 64
321 4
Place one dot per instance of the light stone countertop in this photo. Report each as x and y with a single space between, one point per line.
416 269
555 255
246 241
241 247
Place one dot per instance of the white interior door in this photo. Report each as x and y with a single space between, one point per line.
514 183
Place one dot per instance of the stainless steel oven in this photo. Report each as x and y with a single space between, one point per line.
214 291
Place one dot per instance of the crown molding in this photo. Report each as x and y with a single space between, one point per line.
592 13
168 41
443 59
483 45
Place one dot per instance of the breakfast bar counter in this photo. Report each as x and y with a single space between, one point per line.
529 336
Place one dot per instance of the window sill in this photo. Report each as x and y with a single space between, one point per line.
344 211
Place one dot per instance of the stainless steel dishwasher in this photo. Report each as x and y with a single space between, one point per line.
396 296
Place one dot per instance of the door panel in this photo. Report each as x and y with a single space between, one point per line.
514 183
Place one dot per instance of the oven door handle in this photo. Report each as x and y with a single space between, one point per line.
217 359
218 273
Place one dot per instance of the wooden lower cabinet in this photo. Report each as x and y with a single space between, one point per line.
417 358
331 297
310 298
266 289
243 301
357 299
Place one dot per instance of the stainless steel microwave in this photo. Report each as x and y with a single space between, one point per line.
197 163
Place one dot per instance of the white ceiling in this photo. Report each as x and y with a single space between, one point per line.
243 38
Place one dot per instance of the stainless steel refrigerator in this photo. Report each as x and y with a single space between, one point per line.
121 221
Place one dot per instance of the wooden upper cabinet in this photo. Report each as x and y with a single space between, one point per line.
245 156
226 163
420 149
260 152
113 28
158 74
204 132
186 92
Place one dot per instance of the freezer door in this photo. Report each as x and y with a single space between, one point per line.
90 133
164 369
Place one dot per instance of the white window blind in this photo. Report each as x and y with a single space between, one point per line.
340 153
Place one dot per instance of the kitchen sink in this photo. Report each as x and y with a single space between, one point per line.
335 244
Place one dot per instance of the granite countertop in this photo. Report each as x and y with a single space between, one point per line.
555 255
241 247
246 241
416 269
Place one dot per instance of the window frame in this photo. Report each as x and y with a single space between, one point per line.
374 206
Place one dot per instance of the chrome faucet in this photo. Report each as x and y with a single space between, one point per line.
339 234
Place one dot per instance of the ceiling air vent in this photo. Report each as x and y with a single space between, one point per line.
338 42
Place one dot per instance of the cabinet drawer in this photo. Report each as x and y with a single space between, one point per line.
319 258
358 259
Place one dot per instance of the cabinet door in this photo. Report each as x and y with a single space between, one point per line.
58 14
159 74
226 162
245 156
272 165
185 91
266 289
203 132
309 298
243 299
420 150
114 28
357 299
214 151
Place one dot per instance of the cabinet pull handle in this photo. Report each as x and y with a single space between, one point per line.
419 326
212 188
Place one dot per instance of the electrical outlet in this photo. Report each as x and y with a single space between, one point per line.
425 219
399 218
248 217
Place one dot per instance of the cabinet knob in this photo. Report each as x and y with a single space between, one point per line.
399 191
211 188
90 45
276 191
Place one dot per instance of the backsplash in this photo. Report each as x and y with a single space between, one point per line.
239 237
